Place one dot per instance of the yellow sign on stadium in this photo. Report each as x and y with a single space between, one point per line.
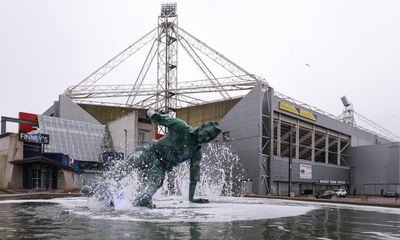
307 114
298 111
288 107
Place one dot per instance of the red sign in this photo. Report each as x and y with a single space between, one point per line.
159 136
27 116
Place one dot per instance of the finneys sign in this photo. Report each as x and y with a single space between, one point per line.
39 138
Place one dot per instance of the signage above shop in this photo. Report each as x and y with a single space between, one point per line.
323 181
38 138
297 111
332 182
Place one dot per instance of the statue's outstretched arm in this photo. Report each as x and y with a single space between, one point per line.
195 177
165 120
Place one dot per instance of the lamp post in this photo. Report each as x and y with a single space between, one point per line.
126 142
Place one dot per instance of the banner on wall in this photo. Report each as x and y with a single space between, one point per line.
297 111
305 171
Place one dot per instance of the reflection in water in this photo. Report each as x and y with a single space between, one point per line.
335 223
46 221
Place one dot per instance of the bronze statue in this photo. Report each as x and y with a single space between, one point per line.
181 143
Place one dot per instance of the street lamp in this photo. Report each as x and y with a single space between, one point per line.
126 142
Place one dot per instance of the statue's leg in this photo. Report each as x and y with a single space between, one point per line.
152 180
101 191
104 190
123 168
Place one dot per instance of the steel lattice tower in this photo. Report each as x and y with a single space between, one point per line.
168 94
167 60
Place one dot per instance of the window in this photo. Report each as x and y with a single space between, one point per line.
143 137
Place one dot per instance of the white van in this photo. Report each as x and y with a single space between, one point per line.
340 192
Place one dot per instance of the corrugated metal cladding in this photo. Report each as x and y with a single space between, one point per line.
243 125
106 114
376 168
197 115
194 116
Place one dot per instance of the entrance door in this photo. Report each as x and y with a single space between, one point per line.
36 177
44 178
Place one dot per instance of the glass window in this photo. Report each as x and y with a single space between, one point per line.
144 136
79 139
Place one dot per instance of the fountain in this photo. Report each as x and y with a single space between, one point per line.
225 217
220 169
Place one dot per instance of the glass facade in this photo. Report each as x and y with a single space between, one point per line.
82 141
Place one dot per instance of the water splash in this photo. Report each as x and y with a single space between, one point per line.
220 169
221 174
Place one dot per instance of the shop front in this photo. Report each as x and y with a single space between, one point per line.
41 174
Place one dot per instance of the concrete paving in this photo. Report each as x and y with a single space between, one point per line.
393 202
37 195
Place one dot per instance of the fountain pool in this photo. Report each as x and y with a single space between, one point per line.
174 218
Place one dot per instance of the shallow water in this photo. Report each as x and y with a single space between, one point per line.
224 218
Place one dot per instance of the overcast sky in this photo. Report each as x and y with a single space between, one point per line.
313 51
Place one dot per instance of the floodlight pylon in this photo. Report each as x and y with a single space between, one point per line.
167 94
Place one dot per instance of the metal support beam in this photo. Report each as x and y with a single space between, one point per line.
327 147
266 140
217 57
290 161
313 144
338 152
203 67
4 121
115 61
143 72
278 137
167 93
